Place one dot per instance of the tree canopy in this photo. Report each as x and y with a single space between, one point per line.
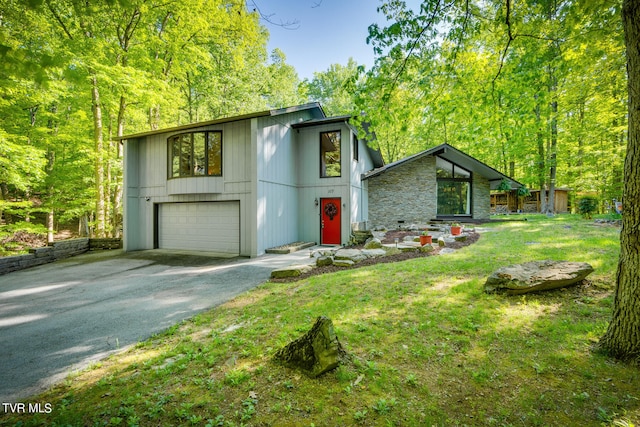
534 88
74 74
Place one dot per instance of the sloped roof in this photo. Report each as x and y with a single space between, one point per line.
457 157
311 106
376 155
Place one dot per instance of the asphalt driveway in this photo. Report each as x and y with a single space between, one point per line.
60 317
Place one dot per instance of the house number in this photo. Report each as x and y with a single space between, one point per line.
330 191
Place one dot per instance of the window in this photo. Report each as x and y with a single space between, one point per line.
454 198
330 154
356 154
195 154
454 189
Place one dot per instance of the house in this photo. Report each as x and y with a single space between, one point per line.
438 183
244 184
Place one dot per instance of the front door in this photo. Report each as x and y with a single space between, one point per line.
330 221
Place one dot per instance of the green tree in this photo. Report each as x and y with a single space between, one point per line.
510 84
335 88
77 73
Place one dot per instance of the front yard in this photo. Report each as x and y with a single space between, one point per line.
427 347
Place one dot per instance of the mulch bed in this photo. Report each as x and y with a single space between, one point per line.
388 238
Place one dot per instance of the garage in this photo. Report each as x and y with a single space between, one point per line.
203 226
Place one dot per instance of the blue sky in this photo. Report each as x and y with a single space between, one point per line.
328 31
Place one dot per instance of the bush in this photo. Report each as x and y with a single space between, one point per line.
587 206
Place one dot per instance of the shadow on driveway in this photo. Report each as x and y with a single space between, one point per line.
60 317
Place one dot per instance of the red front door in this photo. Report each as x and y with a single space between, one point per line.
330 221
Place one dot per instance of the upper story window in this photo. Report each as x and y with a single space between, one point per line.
356 148
195 154
330 154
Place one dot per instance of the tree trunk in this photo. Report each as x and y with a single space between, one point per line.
118 191
99 161
541 157
553 92
622 338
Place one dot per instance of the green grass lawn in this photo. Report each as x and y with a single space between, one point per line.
427 345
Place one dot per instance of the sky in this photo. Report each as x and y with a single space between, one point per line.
327 31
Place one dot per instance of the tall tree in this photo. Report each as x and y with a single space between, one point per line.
334 88
111 67
508 82
622 338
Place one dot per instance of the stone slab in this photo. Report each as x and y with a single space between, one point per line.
537 276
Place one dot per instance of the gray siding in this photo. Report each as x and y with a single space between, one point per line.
277 195
147 183
359 204
313 187
271 169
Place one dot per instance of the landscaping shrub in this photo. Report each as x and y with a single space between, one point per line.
587 206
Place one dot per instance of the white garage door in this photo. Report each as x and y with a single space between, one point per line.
207 226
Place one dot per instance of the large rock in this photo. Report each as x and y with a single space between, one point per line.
354 255
316 352
343 263
373 243
290 271
324 261
373 253
536 276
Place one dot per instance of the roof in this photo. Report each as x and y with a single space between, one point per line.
376 155
457 157
266 113
321 121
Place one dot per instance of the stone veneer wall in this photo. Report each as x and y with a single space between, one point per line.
409 193
405 193
54 252
481 197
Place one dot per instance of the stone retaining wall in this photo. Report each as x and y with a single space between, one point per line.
54 252
100 244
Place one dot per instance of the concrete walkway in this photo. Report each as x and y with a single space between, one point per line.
60 317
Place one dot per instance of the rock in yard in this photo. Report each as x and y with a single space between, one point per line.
373 243
291 271
360 237
324 261
425 248
373 253
354 255
316 352
537 276
343 262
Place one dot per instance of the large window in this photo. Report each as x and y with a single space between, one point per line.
330 154
195 154
454 189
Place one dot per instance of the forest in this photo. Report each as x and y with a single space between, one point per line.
537 89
